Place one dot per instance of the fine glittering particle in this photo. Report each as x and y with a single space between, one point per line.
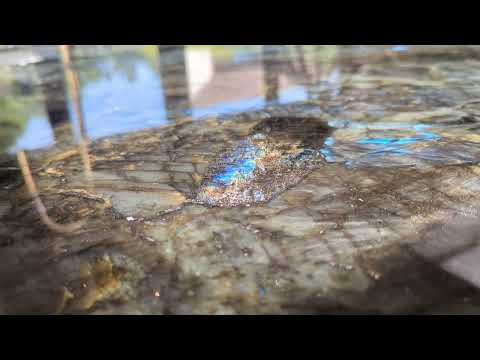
277 154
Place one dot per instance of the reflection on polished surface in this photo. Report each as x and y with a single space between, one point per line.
174 80
245 179
134 88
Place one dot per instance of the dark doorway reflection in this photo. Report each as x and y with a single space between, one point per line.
52 83
307 70
173 71
271 71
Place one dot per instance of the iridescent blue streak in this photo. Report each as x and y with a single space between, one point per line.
394 146
243 169
426 136
241 165
329 141
326 152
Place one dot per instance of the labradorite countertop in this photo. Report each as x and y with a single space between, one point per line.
361 199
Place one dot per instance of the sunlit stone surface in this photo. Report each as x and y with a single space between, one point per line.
363 199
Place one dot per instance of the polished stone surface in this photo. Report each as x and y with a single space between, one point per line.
362 197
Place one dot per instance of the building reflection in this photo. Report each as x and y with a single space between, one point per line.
173 71
220 82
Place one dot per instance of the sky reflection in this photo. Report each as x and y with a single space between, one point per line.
127 93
